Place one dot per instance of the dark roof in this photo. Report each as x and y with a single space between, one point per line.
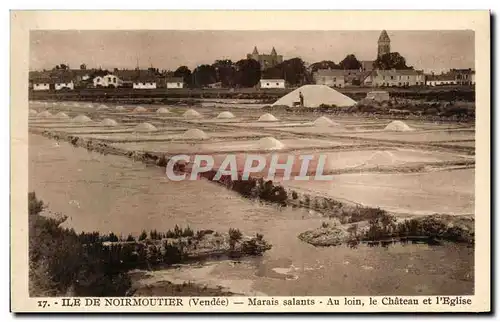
396 72
174 80
441 77
330 72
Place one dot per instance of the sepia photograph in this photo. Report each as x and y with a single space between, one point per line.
291 168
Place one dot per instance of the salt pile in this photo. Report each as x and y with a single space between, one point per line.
195 134
120 108
140 109
314 96
267 118
162 110
324 121
82 119
145 127
109 122
270 143
62 115
225 115
44 114
33 112
191 114
76 104
89 105
398 126
381 158
102 107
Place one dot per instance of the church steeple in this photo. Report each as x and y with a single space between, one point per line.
255 51
384 44
273 52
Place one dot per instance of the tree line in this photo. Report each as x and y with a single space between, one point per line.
248 72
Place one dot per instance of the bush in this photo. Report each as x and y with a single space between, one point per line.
62 262
143 235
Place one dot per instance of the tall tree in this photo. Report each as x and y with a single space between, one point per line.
204 75
294 71
391 61
324 64
273 73
183 72
350 62
247 72
225 72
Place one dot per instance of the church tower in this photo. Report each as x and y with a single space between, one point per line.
384 44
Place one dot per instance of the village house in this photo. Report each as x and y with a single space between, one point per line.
64 83
464 76
109 80
330 77
272 83
440 80
174 82
42 84
145 82
395 78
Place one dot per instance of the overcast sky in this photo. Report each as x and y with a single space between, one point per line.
429 50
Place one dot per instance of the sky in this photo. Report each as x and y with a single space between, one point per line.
435 51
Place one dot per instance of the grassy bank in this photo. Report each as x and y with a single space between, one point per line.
64 263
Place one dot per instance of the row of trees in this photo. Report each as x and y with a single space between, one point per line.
247 72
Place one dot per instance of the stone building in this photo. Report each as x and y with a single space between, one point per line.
266 60
384 44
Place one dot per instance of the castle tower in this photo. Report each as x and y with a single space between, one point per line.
384 44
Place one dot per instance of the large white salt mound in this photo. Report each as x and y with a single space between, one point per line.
162 110
225 115
33 112
62 115
267 118
270 143
82 119
145 127
191 114
102 107
325 121
44 114
195 134
109 122
89 105
140 109
120 108
314 96
398 126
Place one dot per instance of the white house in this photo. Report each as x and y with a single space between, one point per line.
175 82
329 77
440 80
109 80
41 85
272 83
144 82
64 84
395 78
